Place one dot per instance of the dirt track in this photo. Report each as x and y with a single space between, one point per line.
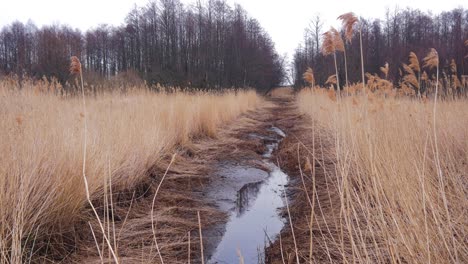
188 188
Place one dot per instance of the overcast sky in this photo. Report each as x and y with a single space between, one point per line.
284 20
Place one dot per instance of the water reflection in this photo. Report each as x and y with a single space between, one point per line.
246 196
278 131
255 216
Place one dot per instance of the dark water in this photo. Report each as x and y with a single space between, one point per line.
254 221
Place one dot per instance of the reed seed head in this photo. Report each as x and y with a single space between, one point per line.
331 79
408 69
332 42
412 80
308 76
414 62
327 45
432 59
385 69
348 21
337 40
75 65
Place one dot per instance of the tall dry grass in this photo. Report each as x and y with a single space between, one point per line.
42 189
402 199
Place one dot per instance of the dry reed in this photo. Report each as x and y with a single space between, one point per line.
308 76
42 144
385 69
332 42
393 204
348 21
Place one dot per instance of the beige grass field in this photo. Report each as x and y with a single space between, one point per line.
42 140
393 189
401 186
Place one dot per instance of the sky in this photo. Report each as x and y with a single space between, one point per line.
284 20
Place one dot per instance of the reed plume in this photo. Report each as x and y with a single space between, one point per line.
385 69
453 69
408 69
333 42
410 77
308 76
348 21
75 65
337 40
414 62
328 46
371 81
331 79
432 59
414 65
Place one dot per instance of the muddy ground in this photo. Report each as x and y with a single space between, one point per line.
195 183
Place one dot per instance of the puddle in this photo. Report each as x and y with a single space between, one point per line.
253 216
278 131
233 178
254 223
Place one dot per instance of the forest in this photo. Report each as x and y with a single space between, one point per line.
388 40
201 45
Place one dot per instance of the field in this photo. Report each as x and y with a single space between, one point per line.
398 180
126 136
181 135
373 178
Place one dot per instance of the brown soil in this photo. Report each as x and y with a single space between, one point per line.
306 156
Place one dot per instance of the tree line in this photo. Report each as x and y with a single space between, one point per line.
207 45
389 40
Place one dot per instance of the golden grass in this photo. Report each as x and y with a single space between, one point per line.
42 150
401 197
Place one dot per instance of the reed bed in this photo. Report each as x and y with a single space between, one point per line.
401 186
127 133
